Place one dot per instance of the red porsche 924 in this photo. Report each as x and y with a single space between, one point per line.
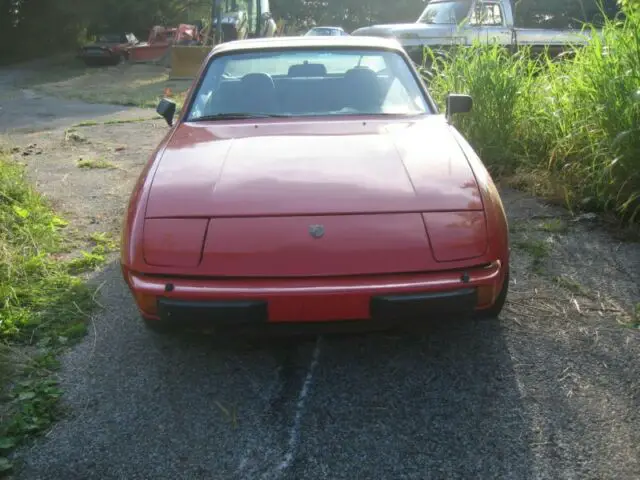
312 179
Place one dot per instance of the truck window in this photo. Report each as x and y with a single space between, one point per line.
487 14
445 12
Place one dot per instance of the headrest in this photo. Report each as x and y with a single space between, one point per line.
307 70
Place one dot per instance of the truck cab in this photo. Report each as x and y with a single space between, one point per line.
447 23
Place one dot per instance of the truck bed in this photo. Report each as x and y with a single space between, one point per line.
540 36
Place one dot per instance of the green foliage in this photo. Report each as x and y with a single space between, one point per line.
36 289
498 83
349 14
95 164
43 306
577 119
30 28
140 15
37 28
630 5
562 14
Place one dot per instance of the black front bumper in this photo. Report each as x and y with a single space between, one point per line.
384 310
216 313
424 305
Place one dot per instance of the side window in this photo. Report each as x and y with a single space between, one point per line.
487 14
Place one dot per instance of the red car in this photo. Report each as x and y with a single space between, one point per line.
312 180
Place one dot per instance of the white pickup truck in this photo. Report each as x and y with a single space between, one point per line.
445 23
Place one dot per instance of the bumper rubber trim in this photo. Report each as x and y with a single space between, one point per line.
233 312
401 307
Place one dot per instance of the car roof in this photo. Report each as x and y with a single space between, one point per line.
326 26
274 43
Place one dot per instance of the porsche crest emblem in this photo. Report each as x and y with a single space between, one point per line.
316 231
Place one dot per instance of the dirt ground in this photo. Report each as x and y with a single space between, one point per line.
54 92
94 195
549 390
138 85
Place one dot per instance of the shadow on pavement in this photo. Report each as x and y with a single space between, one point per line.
443 404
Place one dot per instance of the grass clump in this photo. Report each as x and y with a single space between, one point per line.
95 164
539 251
43 307
574 122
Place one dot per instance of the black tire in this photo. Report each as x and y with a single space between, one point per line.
495 309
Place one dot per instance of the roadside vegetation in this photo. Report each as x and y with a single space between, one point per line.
568 130
44 306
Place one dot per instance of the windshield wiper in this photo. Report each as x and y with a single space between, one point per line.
236 116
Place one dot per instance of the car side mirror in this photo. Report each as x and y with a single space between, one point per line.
167 110
457 103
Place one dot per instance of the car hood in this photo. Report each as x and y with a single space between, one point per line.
301 167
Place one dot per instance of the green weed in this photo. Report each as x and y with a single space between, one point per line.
538 249
578 119
555 225
43 307
572 285
95 164
89 123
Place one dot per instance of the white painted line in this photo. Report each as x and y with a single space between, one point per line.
256 445
294 433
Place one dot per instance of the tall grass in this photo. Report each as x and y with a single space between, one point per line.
575 121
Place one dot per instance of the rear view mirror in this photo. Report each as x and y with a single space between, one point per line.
167 110
457 103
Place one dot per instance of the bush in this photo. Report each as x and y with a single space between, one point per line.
577 120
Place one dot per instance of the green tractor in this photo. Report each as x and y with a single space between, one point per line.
240 19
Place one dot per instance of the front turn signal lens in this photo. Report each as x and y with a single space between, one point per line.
486 295
147 303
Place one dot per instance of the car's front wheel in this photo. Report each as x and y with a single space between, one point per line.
496 308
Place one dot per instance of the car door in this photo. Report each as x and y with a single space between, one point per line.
489 24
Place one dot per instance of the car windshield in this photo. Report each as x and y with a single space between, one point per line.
445 12
306 82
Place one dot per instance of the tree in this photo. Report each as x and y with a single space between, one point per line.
37 27
562 13
349 14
